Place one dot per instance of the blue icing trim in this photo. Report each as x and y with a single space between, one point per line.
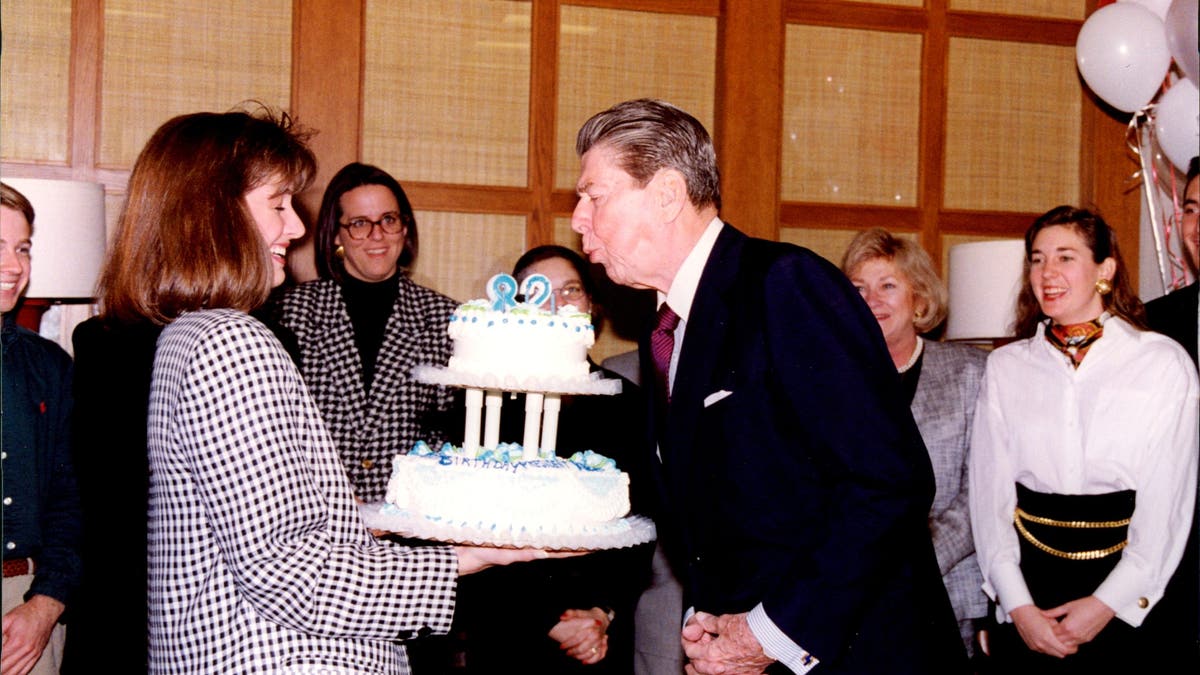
592 461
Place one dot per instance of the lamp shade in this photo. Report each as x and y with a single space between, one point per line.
985 279
68 237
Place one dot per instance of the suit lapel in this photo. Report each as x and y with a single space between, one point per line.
706 330
348 377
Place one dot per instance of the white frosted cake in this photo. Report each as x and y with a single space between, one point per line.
524 341
492 491
506 493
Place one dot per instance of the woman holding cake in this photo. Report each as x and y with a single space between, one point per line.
941 380
564 615
258 559
363 326
1083 465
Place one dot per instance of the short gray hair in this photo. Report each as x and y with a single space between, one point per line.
649 135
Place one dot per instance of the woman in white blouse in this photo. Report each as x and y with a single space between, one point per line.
1083 465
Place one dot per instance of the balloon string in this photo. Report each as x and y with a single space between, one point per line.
1141 130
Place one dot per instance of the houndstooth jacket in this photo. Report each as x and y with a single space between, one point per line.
944 407
258 559
399 411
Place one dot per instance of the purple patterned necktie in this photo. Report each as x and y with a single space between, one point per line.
662 343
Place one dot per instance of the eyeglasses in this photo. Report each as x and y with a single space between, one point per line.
570 292
361 227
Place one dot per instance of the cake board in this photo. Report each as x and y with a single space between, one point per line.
593 384
620 533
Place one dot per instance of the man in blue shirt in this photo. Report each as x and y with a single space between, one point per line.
40 536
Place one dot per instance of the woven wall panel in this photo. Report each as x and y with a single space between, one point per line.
461 251
851 116
1059 9
900 3
608 56
35 79
565 236
446 90
1012 133
164 58
113 205
829 244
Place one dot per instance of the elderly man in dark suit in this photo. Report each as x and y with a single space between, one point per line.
795 483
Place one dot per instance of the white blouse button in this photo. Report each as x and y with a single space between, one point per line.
7 501
10 546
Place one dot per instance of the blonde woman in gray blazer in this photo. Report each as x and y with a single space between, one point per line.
896 278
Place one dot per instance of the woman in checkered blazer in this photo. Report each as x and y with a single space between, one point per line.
364 325
258 559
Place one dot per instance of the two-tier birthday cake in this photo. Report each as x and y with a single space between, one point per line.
488 492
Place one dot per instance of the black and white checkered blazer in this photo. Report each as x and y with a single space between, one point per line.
258 560
399 411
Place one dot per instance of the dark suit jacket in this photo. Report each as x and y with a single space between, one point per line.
113 364
1174 315
808 487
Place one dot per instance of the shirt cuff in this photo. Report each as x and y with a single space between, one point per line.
778 645
1120 591
1011 591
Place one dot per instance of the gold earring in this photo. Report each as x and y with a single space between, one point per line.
340 252
1103 286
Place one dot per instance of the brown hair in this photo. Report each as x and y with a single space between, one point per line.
650 135
329 218
184 239
1102 242
912 261
10 197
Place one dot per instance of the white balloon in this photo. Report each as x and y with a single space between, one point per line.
1122 54
1159 7
1181 30
1177 123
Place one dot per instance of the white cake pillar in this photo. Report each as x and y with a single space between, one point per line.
533 424
550 408
491 429
474 421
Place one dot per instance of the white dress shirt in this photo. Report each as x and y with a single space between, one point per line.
1126 419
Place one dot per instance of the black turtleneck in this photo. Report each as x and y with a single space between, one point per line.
369 305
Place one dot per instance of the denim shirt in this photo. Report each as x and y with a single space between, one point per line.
42 518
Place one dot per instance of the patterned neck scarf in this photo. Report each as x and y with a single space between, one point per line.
1075 339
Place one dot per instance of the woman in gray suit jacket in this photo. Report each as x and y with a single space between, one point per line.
896 278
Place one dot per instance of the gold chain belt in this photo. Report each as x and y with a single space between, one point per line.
1096 554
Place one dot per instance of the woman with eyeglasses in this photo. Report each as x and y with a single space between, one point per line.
364 324
563 616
